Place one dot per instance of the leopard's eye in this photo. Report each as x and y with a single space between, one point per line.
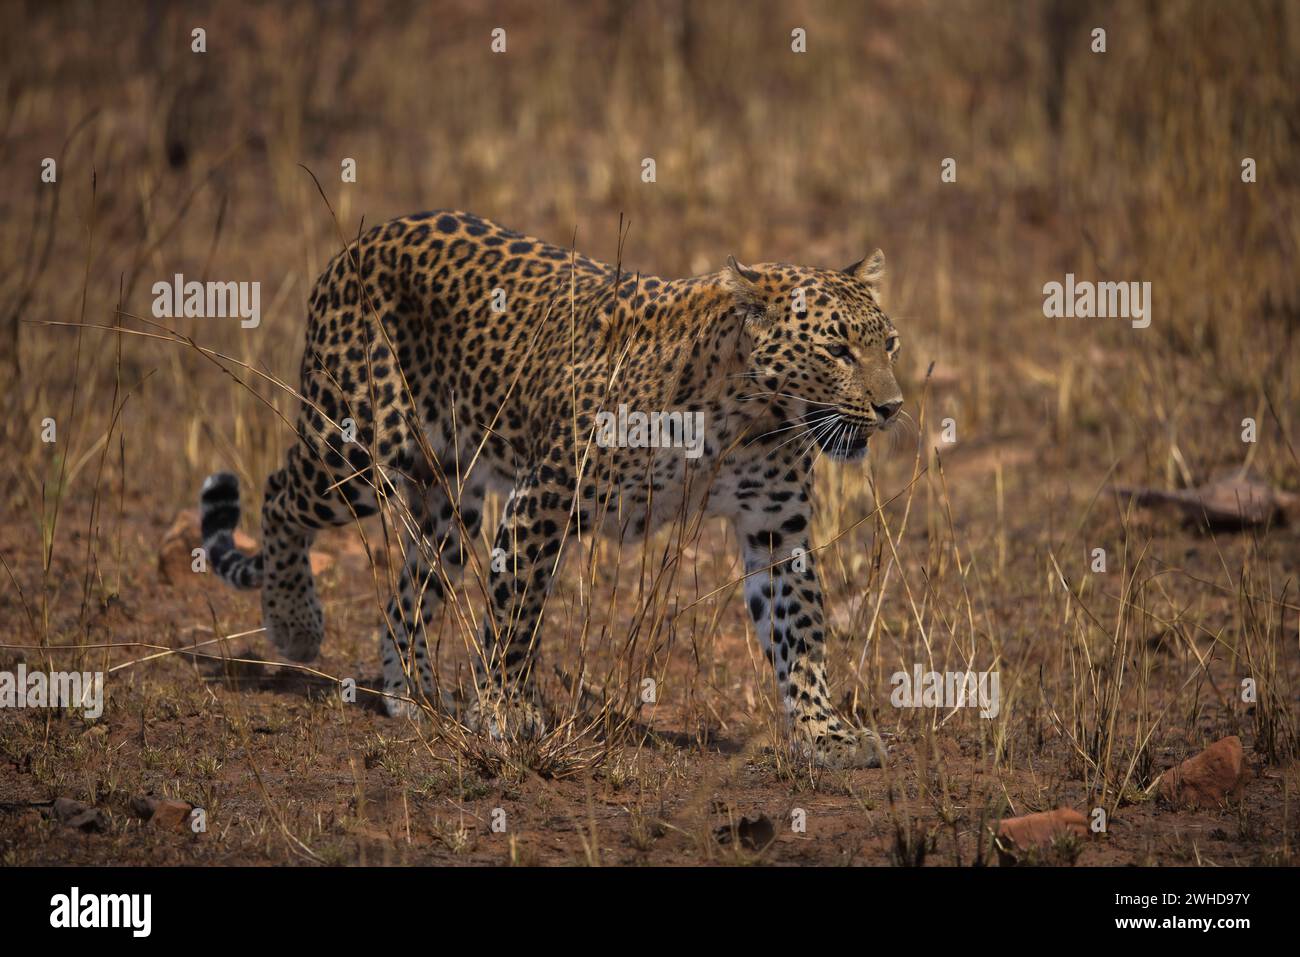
839 351
891 345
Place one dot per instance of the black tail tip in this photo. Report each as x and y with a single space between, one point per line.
219 488
219 504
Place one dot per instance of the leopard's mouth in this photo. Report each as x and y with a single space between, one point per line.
843 437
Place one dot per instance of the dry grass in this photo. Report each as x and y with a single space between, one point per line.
973 555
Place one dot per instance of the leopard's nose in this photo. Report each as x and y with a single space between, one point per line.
886 410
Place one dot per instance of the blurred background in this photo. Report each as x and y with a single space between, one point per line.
1123 165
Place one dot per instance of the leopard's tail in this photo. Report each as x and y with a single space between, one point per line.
218 515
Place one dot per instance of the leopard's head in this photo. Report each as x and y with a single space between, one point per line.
819 351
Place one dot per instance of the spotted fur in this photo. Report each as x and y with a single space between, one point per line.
475 359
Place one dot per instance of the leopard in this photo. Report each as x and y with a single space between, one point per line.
448 359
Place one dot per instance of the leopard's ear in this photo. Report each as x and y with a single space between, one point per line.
869 271
743 283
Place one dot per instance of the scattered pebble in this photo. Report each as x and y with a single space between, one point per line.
753 834
80 815
1207 779
1041 829
167 813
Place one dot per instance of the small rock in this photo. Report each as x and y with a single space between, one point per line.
65 808
1041 829
1206 779
166 813
79 814
753 835
1232 501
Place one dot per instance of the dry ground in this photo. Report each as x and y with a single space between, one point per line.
1121 166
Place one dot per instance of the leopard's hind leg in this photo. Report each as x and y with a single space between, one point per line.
299 499
439 536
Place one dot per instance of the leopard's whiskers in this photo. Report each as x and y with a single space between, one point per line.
813 441
830 420
795 420
786 395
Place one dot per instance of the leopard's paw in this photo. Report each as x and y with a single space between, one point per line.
398 707
501 717
845 747
294 640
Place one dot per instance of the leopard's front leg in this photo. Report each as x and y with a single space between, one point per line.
525 556
784 599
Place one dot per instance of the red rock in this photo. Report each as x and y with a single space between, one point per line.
163 812
1207 779
1038 830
